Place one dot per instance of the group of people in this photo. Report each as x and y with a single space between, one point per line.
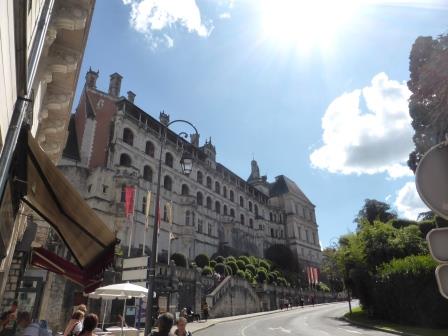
165 323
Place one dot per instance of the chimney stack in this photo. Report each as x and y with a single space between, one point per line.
194 139
115 84
91 77
131 96
164 118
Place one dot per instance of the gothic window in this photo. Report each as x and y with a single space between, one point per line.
224 210
128 136
169 160
185 190
210 229
199 177
224 191
250 206
199 198
187 217
231 195
256 210
217 187
251 223
241 201
272 232
232 213
144 204
168 183
209 182
149 148
125 160
193 218
209 203
147 173
260 227
217 207
307 234
242 219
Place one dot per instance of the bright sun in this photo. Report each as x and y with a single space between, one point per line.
304 24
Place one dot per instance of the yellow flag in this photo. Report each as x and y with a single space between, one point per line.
148 204
170 212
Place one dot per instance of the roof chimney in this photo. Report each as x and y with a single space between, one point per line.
115 84
91 77
131 96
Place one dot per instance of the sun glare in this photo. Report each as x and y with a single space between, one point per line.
304 24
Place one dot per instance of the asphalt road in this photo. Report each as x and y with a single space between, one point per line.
322 320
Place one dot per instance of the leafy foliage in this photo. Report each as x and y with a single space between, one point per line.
202 260
179 259
212 263
241 265
220 268
207 270
219 259
375 210
233 266
240 273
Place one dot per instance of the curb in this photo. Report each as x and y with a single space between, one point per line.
243 317
364 325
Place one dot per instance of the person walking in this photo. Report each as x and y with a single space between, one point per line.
83 308
302 302
8 321
27 327
182 327
205 310
89 325
164 324
74 326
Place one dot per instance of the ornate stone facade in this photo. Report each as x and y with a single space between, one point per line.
113 144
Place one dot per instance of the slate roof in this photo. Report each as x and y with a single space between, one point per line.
284 185
71 150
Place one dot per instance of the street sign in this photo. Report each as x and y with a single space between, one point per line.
437 240
431 179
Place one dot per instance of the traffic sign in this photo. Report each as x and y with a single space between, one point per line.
442 279
438 244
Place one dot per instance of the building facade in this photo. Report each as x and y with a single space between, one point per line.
112 144
41 49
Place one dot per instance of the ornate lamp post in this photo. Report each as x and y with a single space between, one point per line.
187 165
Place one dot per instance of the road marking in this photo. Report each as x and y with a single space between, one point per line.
281 329
350 331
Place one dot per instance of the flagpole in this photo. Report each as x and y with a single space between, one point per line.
170 230
147 209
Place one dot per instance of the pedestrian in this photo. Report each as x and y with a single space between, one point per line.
27 327
302 302
182 327
89 325
8 321
83 308
313 300
205 310
74 326
164 324
121 321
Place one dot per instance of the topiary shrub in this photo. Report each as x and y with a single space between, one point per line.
262 275
229 259
241 265
248 276
212 264
233 266
265 264
254 261
220 268
251 268
179 259
202 260
219 259
240 273
207 270
228 270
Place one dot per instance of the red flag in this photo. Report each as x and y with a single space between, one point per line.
308 273
316 275
312 275
129 200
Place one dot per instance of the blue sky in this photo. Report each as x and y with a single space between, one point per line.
317 95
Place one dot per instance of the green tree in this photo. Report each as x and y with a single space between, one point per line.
202 260
207 270
179 259
374 210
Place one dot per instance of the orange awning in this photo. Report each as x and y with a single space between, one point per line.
49 193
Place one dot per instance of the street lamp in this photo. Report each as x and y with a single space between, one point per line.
187 165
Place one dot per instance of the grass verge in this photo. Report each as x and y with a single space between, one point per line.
361 317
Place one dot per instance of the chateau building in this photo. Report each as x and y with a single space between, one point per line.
112 143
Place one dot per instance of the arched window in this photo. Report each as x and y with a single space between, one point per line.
232 213
231 195
168 183
209 182
185 190
147 173
169 160
199 198
224 210
125 160
187 217
144 204
224 191
256 210
149 148
242 219
199 177
251 223
218 207
128 136
209 203
165 213
250 206
217 187
241 201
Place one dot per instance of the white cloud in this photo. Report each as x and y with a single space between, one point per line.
151 17
225 15
408 202
367 131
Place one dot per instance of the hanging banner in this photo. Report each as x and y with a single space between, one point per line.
147 208
316 275
129 200
308 273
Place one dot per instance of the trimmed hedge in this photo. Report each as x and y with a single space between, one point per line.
212 263
240 273
179 259
251 268
233 266
219 259
220 268
202 260
207 270
241 265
